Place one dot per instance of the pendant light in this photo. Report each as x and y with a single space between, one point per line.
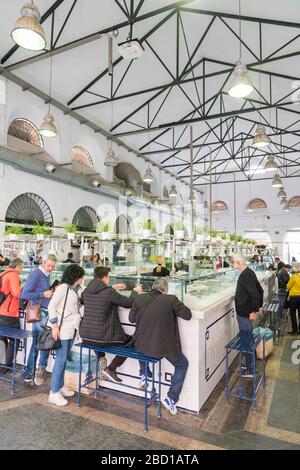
270 165
205 205
286 208
48 128
148 176
277 182
284 201
240 84
111 158
173 190
261 139
28 31
192 197
282 193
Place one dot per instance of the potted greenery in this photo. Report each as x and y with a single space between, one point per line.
70 230
41 230
13 231
179 229
214 234
201 233
104 228
147 227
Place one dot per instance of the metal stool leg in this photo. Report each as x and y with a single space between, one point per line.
159 390
227 376
79 379
146 398
254 379
14 369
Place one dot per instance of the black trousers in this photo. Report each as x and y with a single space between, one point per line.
117 360
294 310
10 322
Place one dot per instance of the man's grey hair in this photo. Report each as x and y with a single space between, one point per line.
297 266
239 258
16 262
51 258
160 283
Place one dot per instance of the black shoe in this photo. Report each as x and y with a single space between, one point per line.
292 333
111 375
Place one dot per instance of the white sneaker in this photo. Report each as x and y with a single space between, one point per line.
102 366
57 399
66 392
170 406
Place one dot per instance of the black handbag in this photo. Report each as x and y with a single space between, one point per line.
46 342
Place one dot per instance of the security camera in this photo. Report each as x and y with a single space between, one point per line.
50 168
96 183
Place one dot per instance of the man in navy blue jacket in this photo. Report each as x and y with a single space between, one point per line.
37 292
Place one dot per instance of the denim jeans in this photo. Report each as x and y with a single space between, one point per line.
281 298
58 372
37 328
181 365
245 324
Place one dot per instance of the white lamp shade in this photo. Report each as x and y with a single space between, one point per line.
148 176
240 84
48 128
276 183
173 191
260 140
28 32
270 165
286 208
111 159
282 193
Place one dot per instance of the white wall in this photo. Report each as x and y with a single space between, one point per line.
272 220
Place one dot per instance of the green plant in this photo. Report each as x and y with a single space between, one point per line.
104 226
239 238
224 236
70 228
232 237
202 230
178 225
14 230
41 229
147 224
214 233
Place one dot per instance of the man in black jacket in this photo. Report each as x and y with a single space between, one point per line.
157 333
101 324
283 277
248 300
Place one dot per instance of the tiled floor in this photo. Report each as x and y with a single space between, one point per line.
29 422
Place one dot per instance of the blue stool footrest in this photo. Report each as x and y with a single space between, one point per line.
130 353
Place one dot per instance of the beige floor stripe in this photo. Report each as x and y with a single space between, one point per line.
126 425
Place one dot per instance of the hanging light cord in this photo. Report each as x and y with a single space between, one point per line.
240 30
50 84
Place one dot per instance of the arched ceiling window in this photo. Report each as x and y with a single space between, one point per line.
256 204
29 208
86 219
24 129
219 206
129 174
295 201
81 155
165 193
122 225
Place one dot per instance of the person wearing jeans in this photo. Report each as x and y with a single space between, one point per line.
64 316
248 300
293 287
37 292
156 334
10 288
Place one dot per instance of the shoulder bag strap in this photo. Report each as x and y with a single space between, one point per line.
63 312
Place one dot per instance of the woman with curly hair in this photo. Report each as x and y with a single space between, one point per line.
64 304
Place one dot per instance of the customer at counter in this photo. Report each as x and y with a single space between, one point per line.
37 291
283 277
160 270
69 259
293 287
3 261
248 300
10 289
101 324
157 334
